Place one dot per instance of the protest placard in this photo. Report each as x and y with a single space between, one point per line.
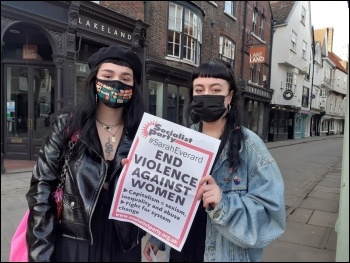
157 187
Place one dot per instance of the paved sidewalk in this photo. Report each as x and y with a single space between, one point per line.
309 236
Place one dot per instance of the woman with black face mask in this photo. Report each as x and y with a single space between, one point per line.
95 135
243 196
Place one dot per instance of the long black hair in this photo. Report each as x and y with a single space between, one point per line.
233 133
82 116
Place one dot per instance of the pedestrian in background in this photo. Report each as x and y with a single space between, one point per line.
243 196
102 127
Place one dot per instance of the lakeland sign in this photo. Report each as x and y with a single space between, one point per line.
104 29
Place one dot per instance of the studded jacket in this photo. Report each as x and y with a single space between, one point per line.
84 180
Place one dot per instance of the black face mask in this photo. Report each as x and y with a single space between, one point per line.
209 108
113 93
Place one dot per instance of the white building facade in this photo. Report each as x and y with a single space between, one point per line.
291 70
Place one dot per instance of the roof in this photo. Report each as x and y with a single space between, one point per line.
336 60
281 10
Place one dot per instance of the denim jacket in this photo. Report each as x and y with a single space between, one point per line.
251 213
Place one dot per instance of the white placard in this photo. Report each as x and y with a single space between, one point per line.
157 187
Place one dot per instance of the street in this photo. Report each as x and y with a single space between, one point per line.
302 166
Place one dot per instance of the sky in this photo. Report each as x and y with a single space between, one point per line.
333 14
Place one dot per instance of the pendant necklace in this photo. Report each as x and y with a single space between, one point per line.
108 145
105 126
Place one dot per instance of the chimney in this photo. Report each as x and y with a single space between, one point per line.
330 31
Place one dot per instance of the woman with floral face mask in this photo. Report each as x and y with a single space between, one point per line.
102 128
243 196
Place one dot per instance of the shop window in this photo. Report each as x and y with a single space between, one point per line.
172 103
261 119
297 124
325 125
81 72
256 117
177 102
23 42
156 98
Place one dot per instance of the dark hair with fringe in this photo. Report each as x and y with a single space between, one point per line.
233 133
82 116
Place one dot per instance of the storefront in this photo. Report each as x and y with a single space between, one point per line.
283 122
45 48
256 109
168 89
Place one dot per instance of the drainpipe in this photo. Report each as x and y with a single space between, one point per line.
270 73
244 33
145 83
312 79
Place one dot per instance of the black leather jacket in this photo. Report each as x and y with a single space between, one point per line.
84 180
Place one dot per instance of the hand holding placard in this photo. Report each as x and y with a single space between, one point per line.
160 179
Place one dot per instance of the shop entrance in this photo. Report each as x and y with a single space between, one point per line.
29 103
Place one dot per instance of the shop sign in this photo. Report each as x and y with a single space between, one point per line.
30 51
288 95
257 55
103 29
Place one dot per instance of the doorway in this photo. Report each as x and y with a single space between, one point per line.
29 100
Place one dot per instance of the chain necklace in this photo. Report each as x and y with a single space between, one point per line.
105 126
108 145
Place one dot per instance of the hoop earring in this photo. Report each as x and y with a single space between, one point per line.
228 108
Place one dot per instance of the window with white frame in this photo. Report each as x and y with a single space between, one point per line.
184 25
293 41
254 21
230 7
307 76
303 15
258 70
305 97
251 75
304 49
327 74
227 50
290 81
261 29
